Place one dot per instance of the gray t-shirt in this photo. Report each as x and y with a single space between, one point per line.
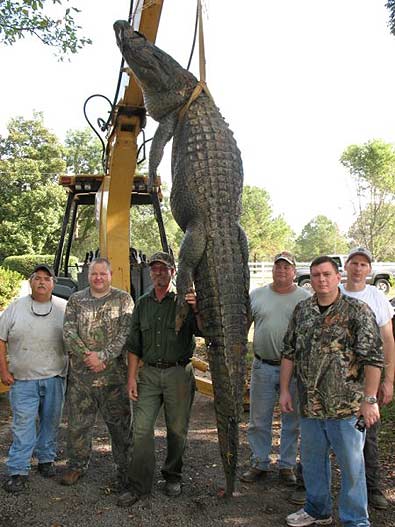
34 343
271 313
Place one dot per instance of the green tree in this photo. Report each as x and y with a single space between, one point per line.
372 169
31 157
266 234
48 20
83 154
320 236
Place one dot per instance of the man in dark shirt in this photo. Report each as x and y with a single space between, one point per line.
165 378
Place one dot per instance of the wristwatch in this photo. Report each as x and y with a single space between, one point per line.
371 399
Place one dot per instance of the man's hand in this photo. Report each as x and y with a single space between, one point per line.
286 402
386 392
7 378
370 412
132 389
190 298
93 362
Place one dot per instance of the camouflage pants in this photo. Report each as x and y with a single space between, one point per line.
84 402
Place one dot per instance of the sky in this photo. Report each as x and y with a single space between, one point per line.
297 81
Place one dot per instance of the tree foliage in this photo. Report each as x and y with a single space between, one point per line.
267 235
48 20
318 237
372 169
31 157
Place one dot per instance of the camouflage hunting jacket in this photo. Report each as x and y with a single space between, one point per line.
329 352
101 325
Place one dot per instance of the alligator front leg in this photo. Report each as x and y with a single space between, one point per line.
191 251
162 136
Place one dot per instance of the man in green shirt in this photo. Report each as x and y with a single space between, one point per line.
165 378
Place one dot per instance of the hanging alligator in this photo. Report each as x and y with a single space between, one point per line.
207 182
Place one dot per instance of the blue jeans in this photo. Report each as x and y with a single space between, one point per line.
264 392
29 400
318 436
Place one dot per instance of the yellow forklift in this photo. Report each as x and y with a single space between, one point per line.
117 190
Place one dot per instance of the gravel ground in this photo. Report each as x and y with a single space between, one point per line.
92 502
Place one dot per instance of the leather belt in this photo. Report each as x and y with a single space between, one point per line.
164 365
266 361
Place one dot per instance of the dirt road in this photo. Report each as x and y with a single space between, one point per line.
92 503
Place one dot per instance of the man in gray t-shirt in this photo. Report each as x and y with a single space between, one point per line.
31 334
272 307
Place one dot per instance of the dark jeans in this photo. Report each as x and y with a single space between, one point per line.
173 388
371 455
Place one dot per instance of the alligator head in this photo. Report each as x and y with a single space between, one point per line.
165 84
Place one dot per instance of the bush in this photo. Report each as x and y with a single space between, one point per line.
10 283
25 263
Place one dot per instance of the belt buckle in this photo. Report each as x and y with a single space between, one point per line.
161 364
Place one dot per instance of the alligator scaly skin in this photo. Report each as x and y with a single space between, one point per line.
207 181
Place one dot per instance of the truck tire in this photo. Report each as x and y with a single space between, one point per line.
383 285
305 283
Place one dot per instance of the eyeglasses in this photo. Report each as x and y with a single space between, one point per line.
40 314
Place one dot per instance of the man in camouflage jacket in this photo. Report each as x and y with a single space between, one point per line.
334 346
96 326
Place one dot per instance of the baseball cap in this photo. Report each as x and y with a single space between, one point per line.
285 255
362 252
44 267
162 257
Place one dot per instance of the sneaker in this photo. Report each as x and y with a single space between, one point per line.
377 500
298 496
172 489
253 474
47 470
301 518
16 483
70 477
127 499
287 477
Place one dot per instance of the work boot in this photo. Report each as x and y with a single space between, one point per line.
128 499
47 470
16 483
70 477
287 476
377 500
172 489
253 474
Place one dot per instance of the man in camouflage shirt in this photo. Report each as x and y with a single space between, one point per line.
333 343
96 325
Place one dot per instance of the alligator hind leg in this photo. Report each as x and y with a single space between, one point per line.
191 251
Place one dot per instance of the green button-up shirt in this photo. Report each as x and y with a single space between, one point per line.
152 334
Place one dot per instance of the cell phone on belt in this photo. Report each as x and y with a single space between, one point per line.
360 424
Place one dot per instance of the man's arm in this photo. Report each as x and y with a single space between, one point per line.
133 366
386 389
286 371
6 377
370 412
72 341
